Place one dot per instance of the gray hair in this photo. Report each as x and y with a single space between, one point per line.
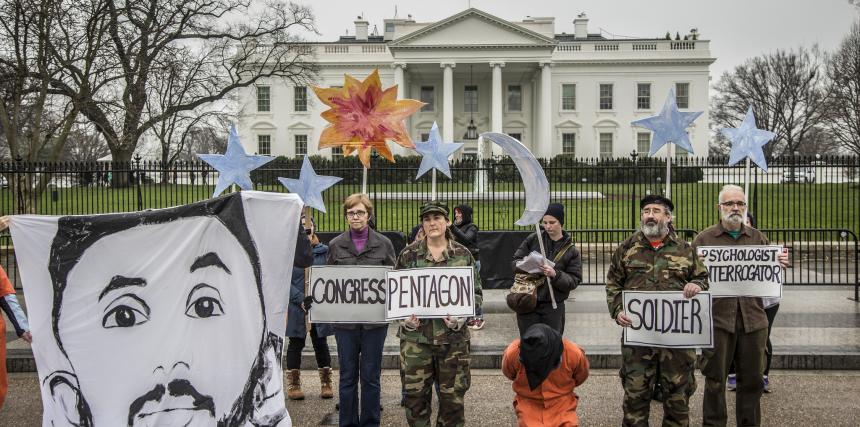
731 187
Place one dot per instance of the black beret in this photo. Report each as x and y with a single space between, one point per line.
654 198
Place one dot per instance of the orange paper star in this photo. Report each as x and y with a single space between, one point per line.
364 117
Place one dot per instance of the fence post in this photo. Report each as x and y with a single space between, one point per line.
137 182
19 171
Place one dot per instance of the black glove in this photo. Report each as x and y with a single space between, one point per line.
306 303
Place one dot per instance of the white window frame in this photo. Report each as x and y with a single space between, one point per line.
296 99
432 105
508 98
260 136
689 94
296 144
561 97
611 144
600 97
650 96
257 98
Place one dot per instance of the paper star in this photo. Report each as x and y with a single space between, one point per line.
670 126
234 166
310 186
363 117
747 141
435 153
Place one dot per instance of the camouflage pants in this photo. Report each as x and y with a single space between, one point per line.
420 366
663 373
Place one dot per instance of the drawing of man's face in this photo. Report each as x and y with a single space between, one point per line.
148 315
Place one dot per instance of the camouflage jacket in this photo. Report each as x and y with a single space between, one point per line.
636 265
434 331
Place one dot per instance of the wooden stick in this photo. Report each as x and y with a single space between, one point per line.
433 186
543 252
747 179
364 181
669 154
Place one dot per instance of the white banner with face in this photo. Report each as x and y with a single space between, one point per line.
164 317
432 292
667 319
347 293
743 271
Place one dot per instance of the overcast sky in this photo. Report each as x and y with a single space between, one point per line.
738 29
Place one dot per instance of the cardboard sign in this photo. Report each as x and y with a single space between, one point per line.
432 292
667 319
743 271
347 293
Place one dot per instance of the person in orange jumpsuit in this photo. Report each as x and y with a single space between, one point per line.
9 304
545 368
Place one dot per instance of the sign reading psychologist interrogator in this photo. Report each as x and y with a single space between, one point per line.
352 294
432 292
667 319
743 271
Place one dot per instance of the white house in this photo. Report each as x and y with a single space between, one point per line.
557 93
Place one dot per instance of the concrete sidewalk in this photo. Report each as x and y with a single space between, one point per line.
817 327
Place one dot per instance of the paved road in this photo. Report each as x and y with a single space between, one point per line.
800 398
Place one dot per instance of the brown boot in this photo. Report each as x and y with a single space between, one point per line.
294 385
325 383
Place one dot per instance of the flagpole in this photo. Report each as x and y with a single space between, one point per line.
669 151
747 179
543 252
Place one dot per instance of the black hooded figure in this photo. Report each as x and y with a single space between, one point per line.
466 233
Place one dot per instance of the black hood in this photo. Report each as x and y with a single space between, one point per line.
467 213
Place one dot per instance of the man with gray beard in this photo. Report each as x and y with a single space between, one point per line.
740 323
653 259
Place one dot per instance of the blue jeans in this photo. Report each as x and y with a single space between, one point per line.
359 352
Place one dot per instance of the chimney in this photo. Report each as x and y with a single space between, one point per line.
361 28
580 25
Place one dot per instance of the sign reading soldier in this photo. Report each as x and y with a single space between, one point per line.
432 292
668 319
350 294
743 271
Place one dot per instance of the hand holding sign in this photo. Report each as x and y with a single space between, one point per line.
691 290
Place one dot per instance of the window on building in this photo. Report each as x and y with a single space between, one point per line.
605 145
425 137
389 27
264 99
301 100
264 145
428 96
568 143
606 96
515 98
337 152
301 145
643 96
568 97
643 143
516 135
470 99
682 95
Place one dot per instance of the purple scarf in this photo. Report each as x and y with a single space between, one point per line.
359 238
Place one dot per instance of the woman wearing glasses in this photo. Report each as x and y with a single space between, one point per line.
359 346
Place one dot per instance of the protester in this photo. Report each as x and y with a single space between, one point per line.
466 233
564 277
297 332
740 324
545 368
359 346
652 259
435 350
9 303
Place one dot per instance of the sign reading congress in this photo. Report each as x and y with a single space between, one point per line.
667 319
432 292
351 294
743 271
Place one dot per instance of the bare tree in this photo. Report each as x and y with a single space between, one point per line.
788 93
843 70
217 56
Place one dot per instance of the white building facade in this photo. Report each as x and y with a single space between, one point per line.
572 94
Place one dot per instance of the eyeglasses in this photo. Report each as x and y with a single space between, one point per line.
655 211
355 214
730 204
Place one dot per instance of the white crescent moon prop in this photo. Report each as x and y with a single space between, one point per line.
534 179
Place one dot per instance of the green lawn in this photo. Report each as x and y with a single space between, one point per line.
776 205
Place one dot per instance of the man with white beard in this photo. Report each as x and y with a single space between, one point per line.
740 323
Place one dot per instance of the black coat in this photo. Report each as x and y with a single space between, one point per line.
466 233
568 270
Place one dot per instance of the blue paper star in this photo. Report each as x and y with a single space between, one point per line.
747 141
435 153
670 126
310 186
234 166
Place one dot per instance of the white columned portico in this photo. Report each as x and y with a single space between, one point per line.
544 145
496 116
399 67
447 101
